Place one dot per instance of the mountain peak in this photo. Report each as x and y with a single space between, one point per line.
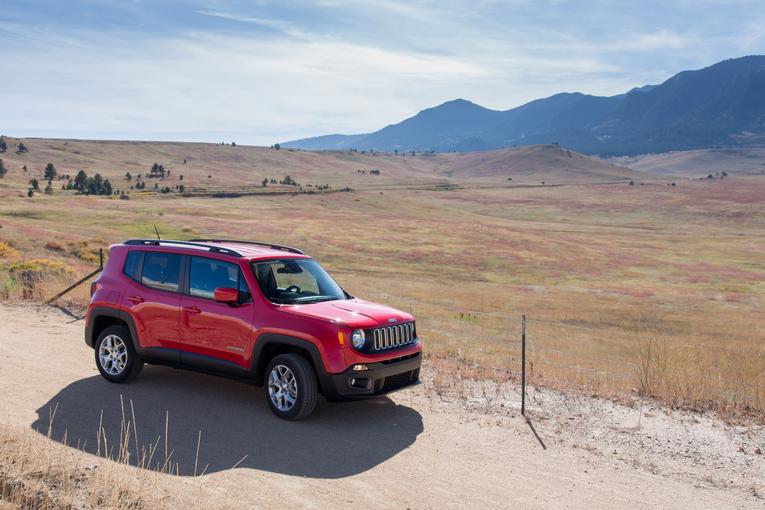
457 104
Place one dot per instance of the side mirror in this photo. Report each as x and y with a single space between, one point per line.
227 295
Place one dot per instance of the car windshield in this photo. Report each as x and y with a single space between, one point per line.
296 281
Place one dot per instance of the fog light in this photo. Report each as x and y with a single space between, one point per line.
360 368
361 383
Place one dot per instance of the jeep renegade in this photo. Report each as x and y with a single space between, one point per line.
262 312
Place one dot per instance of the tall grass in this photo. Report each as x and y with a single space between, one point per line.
42 474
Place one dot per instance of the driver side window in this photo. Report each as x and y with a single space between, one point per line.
206 275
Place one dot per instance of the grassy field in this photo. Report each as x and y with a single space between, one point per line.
699 163
646 289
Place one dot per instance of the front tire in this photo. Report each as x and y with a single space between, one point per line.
291 387
116 358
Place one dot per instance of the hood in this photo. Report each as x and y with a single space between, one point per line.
351 312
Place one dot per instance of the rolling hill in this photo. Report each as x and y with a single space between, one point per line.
722 105
213 168
699 163
541 162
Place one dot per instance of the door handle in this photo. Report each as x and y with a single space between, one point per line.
136 300
192 310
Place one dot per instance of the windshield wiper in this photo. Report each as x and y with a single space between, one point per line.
315 299
284 301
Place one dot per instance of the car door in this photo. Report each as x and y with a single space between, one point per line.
152 295
208 328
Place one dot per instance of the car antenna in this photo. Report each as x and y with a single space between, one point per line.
157 232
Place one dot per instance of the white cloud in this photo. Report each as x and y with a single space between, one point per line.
256 90
275 24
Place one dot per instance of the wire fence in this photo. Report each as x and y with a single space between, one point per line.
698 369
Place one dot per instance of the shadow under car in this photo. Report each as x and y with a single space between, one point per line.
339 440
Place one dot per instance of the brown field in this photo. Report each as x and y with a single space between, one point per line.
699 163
647 289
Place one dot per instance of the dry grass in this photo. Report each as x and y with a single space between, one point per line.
645 289
40 474
123 474
700 163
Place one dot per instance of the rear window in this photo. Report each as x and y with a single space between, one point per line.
132 264
161 270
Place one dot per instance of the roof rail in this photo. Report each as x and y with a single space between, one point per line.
258 243
159 242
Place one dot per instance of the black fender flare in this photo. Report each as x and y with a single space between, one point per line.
105 311
258 373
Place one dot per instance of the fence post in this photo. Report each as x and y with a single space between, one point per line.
523 365
27 285
88 277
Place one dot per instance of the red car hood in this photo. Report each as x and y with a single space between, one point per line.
352 312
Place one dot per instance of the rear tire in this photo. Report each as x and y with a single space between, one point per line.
116 358
291 387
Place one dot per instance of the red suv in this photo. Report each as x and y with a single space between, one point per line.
256 311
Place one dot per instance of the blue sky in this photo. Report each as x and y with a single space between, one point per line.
258 71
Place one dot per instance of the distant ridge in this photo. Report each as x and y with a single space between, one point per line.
722 105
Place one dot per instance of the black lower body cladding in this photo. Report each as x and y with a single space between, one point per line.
379 378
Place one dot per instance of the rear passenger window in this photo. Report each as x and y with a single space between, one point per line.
206 275
132 264
160 270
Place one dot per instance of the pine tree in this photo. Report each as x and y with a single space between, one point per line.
3 170
80 181
50 172
35 184
3 145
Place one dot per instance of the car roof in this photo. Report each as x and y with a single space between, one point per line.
258 252
250 250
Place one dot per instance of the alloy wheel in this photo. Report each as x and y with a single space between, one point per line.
282 388
113 355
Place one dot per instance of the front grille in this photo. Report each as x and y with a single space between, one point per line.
391 337
393 382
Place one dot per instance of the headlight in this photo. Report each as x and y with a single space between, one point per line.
358 338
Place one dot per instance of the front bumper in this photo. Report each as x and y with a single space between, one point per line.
380 378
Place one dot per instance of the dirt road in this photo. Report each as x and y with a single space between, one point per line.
409 451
